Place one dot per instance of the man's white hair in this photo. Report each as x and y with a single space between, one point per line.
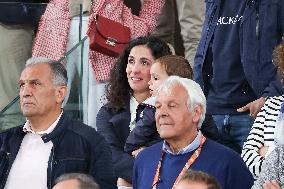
36 60
195 94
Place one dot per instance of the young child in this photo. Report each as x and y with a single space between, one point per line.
144 133
197 180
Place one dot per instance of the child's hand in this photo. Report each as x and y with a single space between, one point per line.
136 152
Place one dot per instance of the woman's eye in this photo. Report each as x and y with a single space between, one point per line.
145 63
130 61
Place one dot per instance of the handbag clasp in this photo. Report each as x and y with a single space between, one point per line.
110 41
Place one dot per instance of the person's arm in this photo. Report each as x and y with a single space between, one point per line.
253 107
143 131
271 169
146 22
101 166
255 142
123 162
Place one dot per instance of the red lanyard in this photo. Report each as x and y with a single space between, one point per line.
190 161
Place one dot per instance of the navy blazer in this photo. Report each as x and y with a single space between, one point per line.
114 126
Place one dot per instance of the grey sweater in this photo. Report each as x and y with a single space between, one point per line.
272 169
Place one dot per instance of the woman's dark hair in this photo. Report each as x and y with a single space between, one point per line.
118 90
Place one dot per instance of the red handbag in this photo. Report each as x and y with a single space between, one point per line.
108 37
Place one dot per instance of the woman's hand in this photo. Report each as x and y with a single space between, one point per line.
271 185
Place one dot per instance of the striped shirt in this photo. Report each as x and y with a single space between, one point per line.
261 134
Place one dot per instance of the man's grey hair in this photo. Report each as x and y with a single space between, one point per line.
58 70
84 181
195 94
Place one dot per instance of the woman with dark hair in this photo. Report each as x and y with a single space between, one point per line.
60 29
128 86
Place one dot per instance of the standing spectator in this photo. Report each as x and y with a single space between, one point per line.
180 111
54 37
15 49
49 144
127 88
191 17
185 16
75 181
233 61
166 23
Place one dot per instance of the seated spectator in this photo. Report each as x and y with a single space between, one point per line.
260 142
128 87
197 180
180 111
75 181
145 133
49 144
271 175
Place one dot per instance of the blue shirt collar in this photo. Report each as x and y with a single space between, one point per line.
189 148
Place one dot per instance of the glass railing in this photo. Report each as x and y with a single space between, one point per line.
76 61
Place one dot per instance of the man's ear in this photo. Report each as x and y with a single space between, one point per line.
61 92
196 113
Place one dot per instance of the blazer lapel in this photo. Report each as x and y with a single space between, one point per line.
120 124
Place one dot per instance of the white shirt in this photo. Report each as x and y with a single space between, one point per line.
133 107
29 170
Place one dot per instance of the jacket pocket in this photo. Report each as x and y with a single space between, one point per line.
71 164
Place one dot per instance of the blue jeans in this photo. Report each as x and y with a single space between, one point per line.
235 127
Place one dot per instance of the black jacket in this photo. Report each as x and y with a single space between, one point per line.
114 126
76 148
